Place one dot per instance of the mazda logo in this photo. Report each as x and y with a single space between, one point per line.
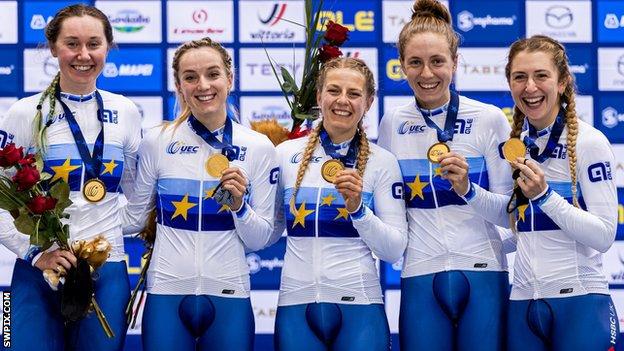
620 65
559 17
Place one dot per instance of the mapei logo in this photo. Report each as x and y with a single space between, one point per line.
128 21
256 263
363 21
559 17
611 117
579 69
599 171
612 21
408 127
38 21
466 21
296 158
6 70
130 70
180 147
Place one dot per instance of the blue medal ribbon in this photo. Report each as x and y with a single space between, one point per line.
92 162
451 117
226 145
331 150
553 139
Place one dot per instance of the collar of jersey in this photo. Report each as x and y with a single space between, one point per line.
78 98
343 147
433 112
540 133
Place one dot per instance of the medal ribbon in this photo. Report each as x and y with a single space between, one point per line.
451 116
553 139
92 162
349 159
226 145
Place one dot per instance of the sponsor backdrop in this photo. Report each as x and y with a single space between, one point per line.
147 33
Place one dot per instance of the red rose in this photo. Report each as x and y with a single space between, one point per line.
336 34
10 155
27 160
328 52
26 178
298 132
39 204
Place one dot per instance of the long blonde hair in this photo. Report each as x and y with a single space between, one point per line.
184 48
313 139
542 43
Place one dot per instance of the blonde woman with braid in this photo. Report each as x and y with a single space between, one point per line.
70 118
454 284
342 207
564 210
213 184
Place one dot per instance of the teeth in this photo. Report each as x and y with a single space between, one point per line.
428 86
82 68
532 101
205 97
342 113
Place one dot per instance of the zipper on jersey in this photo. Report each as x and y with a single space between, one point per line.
441 231
315 249
532 238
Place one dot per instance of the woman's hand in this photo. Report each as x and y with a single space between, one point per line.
349 184
531 180
235 182
58 260
455 169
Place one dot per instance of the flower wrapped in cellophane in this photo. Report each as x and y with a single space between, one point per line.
38 208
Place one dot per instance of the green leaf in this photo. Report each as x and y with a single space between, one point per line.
61 206
39 162
25 224
60 191
287 77
45 176
304 116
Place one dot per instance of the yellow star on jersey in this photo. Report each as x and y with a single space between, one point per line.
300 215
417 187
327 200
437 172
63 171
209 193
182 207
342 212
521 212
109 167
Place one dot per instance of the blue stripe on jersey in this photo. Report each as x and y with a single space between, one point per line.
419 192
333 220
110 174
540 220
180 197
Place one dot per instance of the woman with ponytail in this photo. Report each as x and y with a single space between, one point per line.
564 212
454 286
72 118
341 203
213 183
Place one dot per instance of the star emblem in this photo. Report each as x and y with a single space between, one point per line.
416 188
327 200
63 171
342 213
109 167
182 207
300 214
521 212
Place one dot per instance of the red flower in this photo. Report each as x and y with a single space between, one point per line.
39 204
336 34
328 52
26 177
298 132
27 160
10 155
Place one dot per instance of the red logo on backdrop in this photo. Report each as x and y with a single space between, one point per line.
275 16
200 16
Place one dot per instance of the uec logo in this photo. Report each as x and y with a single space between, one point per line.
180 147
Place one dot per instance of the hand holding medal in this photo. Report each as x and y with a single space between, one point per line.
349 184
454 168
233 185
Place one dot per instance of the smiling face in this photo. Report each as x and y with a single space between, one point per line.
343 100
536 87
204 84
81 49
429 67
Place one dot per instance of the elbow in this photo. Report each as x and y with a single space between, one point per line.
395 251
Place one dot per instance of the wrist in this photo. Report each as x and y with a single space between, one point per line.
542 197
470 193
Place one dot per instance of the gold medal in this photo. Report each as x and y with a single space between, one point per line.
513 148
94 190
436 150
330 170
216 164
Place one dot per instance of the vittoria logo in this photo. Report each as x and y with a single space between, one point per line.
276 15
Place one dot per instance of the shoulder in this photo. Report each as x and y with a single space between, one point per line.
590 138
251 137
381 155
289 146
408 109
25 107
119 101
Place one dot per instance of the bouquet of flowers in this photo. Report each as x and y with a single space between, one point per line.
320 47
37 206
